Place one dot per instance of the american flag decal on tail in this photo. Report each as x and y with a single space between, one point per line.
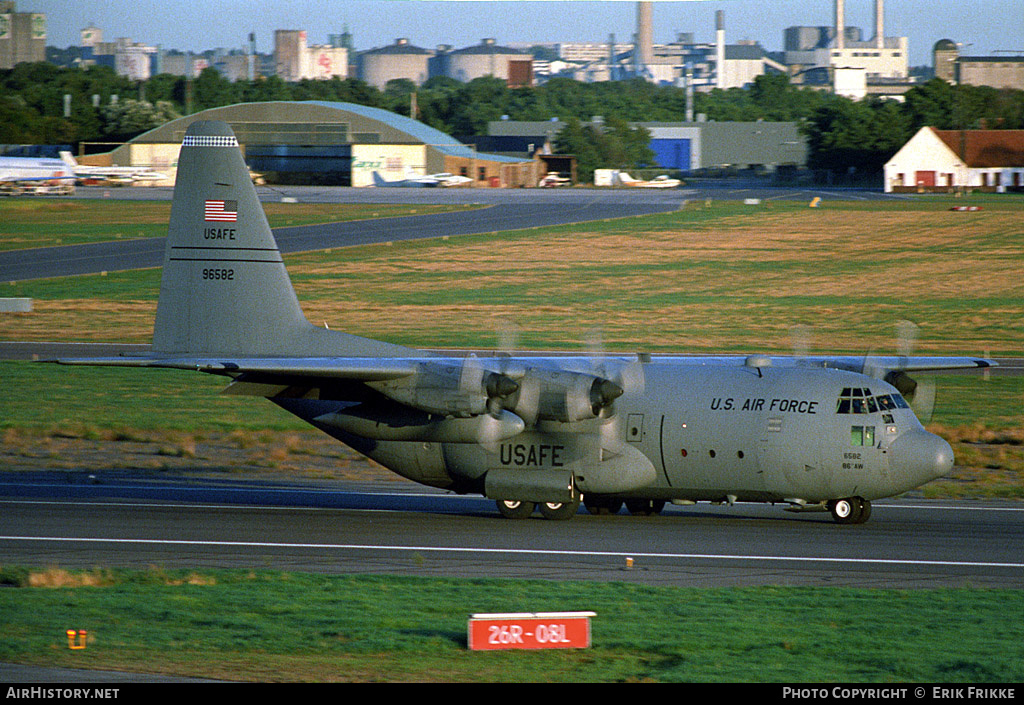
220 211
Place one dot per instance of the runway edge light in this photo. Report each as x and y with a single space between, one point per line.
76 639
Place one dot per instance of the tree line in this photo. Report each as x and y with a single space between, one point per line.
844 135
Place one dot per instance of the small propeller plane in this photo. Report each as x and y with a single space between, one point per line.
414 180
532 432
663 181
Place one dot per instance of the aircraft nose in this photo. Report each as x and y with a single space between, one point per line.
919 456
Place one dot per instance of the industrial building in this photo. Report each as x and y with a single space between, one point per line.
403 60
695 146
701 66
135 60
838 59
22 35
488 58
295 60
400 60
993 71
956 160
317 142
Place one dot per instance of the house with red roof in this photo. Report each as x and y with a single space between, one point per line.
958 160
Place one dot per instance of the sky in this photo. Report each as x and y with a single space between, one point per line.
982 26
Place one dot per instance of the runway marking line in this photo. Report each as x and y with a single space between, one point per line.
524 551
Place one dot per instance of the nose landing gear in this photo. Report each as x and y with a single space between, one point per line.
851 510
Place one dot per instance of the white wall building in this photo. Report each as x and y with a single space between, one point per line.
944 160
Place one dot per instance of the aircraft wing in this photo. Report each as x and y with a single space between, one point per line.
362 369
902 364
853 363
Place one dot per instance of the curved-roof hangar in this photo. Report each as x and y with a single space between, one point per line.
332 143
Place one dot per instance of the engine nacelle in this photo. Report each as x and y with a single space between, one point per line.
556 395
449 390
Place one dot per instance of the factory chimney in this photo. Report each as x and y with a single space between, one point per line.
612 73
879 24
720 49
252 56
644 50
840 25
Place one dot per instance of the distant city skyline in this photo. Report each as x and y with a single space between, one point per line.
983 27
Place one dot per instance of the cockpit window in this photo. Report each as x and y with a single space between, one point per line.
859 400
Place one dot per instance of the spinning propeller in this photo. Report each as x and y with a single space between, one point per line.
919 393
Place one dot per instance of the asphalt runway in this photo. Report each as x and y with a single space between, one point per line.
122 519
502 210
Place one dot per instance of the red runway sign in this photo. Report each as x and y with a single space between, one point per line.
530 630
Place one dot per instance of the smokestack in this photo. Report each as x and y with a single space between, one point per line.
720 49
689 93
644 34
612 73
879 24
252 56
840 24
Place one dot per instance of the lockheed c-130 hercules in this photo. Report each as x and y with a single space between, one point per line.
531 432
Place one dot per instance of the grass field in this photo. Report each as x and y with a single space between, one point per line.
713 277
719 277
273 626
30 222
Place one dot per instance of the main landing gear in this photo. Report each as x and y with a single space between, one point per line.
852 510
514 509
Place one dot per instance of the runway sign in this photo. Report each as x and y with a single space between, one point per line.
530 630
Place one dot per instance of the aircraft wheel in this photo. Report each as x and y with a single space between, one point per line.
559 510
514 509
645 507
851 510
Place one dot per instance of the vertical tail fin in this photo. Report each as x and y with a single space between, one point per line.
225 289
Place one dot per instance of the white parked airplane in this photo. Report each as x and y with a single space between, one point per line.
18 174
414 180
124 174
624 179
554 179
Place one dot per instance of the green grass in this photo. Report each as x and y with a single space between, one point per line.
273 626
27 222
45 397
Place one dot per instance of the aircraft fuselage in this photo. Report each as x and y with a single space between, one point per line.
695 433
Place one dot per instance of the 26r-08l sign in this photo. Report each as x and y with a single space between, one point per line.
530 630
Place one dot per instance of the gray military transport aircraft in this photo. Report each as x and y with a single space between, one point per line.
531 432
